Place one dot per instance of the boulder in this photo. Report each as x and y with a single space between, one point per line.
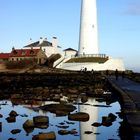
80 116
28 124
1 115
73 91
60 113
106 121
88 132
96 124
73 132
11 139
13 113
112 117
84 99
45 136
41 121
63 132
63 108
0 126
62 126
11 119
15 131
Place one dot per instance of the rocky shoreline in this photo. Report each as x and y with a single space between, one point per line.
32 86
42 86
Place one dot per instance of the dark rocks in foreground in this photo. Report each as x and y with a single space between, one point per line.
45 136
12 117
41 85
59 108
41 122
15 131
80 116
66 132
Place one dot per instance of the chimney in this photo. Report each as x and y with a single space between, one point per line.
45 39
54 42
41 40
13 48
30 41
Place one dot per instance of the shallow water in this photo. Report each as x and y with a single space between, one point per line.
95 109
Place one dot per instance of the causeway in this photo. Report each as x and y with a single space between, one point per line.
129 92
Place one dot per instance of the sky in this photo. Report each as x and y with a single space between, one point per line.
118 26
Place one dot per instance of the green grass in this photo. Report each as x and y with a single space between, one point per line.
88 59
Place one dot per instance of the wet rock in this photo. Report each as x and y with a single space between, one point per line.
102 105
61 113
15 96
62 126
41 121
97 133
15 131
112 117
63 132
28 124
99 91
24 115
73 132
106 121
96 124
80 116
69 122
73 91
56 97
90 94
29 130
11 119
84 99
1 115
45 136
11 139
88 132
0 126
62 123
53 108
13 113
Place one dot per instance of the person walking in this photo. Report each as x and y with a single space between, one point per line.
116 74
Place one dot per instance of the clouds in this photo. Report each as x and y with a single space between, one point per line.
133 8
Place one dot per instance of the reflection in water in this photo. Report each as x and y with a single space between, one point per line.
86 126
28 111
0 126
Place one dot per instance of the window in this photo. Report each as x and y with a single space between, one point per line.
31 52
23 52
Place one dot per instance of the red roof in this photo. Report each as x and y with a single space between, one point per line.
24 52
4 55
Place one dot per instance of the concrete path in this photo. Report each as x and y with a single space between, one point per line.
130 95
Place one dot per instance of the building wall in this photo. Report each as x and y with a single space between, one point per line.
2 66
111 64
48 50
70 53
41 57
88 40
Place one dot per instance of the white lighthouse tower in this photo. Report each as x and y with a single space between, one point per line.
88 39
88 53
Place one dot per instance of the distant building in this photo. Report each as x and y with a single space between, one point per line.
70 52
4 57
48 48
21 54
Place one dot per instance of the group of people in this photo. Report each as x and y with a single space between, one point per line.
117 74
